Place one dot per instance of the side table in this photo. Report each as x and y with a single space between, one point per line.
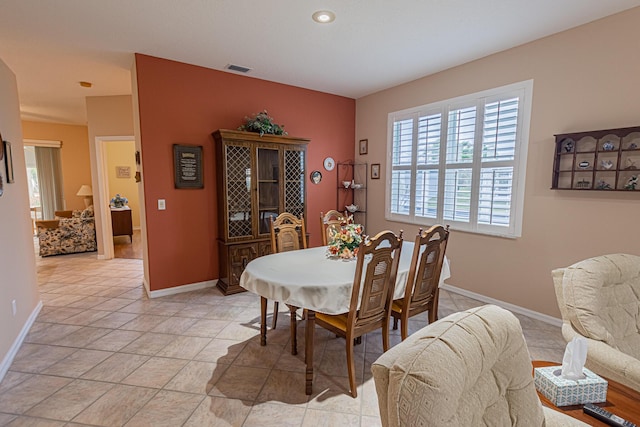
121 222
621 400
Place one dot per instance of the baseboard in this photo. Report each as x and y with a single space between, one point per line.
180 289
8 358
511 307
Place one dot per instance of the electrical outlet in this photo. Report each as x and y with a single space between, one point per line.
161 205
14 307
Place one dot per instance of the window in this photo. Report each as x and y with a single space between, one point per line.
461 161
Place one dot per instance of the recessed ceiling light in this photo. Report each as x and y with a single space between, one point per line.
324 16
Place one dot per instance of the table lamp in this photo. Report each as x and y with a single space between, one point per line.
85 191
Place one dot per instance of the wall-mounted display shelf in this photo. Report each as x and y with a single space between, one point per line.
604 160
352 191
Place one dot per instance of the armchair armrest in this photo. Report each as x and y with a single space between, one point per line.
47 224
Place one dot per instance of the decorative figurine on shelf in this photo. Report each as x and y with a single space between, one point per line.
608 146
118 201
633 146
583 183
568 146
630 164
606 164
632 183
603 185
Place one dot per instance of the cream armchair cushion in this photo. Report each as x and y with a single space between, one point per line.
468 369
599 299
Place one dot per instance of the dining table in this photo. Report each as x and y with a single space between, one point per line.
311 280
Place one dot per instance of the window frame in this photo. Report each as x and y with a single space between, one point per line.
524 91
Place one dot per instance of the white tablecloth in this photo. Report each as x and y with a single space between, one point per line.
308 279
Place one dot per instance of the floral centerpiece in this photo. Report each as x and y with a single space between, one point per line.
118 201
346 242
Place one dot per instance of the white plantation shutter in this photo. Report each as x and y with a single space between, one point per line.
461 161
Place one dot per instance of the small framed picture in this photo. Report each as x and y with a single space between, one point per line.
123 171
375 171
364 146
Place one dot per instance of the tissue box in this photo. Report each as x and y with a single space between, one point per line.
564 392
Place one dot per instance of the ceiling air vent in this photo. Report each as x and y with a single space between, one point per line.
237 68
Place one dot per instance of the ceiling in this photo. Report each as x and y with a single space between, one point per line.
373 44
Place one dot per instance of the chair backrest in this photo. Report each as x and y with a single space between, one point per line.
330 224
426 266
374 281
287 233
462 370
600 298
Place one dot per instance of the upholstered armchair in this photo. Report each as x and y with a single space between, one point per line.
468 369
66 235
599 299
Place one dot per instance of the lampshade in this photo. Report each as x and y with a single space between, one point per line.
85 190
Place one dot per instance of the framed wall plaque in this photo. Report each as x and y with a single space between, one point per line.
123 171
187 165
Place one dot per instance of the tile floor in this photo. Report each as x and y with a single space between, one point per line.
102 353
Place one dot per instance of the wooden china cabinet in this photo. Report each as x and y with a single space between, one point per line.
258 177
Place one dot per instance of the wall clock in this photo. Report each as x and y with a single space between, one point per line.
329 163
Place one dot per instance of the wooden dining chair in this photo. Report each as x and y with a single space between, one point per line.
330 224
371 296
421 289
287 234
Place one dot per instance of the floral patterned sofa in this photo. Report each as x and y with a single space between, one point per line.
70 232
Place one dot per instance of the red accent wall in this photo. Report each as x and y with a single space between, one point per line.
181 103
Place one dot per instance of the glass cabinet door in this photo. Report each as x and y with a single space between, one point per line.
268 164
294 182
239 190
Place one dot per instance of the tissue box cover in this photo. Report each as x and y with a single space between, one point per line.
564 392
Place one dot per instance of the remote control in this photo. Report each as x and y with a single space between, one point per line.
606 416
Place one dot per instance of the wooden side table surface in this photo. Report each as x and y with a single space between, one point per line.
621 401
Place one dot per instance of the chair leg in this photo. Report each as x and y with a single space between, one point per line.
404 328
385 334
351 367
275 314
433 313
433 310
294 336
263 321
395 323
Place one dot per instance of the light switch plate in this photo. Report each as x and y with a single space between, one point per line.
161 205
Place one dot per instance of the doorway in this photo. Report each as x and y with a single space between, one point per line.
119 196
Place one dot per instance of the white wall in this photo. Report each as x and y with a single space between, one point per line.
17 258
